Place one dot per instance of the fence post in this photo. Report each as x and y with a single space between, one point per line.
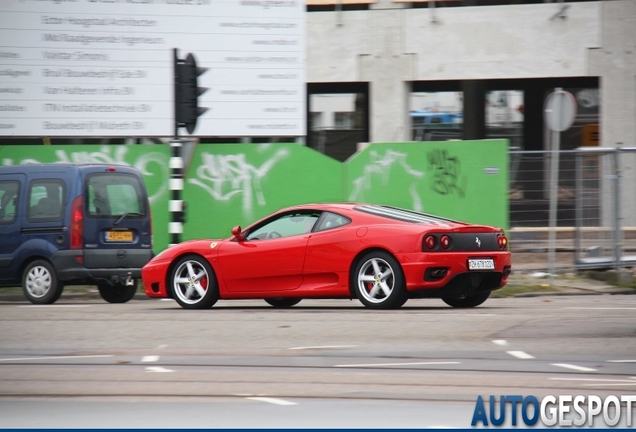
618 235
578 205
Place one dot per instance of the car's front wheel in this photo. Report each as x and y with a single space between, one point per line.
117 293
40 283
378 281
193 283
282 303
467 302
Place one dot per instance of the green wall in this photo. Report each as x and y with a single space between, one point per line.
464 180
235 184
231 184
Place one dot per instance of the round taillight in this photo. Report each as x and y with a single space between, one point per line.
445 241
502 241
429 241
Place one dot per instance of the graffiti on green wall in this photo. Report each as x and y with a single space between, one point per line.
464 180
232 184
446 173
235 184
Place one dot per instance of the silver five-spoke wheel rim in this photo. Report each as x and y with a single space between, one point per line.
376 280
191 282
38 281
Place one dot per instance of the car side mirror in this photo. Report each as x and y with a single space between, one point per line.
236 232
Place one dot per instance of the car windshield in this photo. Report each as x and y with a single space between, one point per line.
402 214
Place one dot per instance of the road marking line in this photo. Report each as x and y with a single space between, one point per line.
395 364
621 361
54 306
323 347
274 401
459 314
158 369
520 355
574 367
56 358
591 379
149 359
601 308
500 342
626 383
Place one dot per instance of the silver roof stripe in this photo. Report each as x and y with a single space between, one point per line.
402 215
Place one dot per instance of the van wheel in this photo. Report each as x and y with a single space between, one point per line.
117 293
40 283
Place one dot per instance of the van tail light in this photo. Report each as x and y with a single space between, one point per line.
150 213
77 224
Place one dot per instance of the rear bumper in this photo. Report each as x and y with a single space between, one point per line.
454 277
70 267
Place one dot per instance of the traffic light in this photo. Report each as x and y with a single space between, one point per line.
187 92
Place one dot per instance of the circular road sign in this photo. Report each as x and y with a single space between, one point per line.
560 110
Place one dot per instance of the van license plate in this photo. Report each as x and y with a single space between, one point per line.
119 236
481 264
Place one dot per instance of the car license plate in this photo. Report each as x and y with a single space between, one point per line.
119 236
481 264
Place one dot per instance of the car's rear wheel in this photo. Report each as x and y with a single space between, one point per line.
40 283
378 281
467 302
193 283
283 303
117 293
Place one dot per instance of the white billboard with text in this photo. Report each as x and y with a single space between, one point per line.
103 68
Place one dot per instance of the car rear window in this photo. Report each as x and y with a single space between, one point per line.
114 194
401 214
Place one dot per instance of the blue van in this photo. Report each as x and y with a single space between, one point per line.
72 224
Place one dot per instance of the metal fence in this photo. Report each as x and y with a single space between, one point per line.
594 205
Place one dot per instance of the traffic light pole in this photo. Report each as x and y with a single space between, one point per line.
176 205
175 227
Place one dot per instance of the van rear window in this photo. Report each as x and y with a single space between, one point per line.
114 194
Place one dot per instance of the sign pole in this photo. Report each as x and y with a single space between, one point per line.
559 113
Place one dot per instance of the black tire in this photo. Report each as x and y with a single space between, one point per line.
467 302
40 283
117 293
193 283
378 281
283 303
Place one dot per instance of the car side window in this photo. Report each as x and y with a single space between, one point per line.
46 200
8 201
286 225
331 220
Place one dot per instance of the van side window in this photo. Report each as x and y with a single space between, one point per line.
8 201
46 200
114 194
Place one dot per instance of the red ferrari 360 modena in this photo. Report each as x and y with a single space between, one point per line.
380 255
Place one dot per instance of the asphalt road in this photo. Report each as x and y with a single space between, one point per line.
323 363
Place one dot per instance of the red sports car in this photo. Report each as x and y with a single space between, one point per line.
380 255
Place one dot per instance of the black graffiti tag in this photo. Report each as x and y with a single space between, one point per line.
446 173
